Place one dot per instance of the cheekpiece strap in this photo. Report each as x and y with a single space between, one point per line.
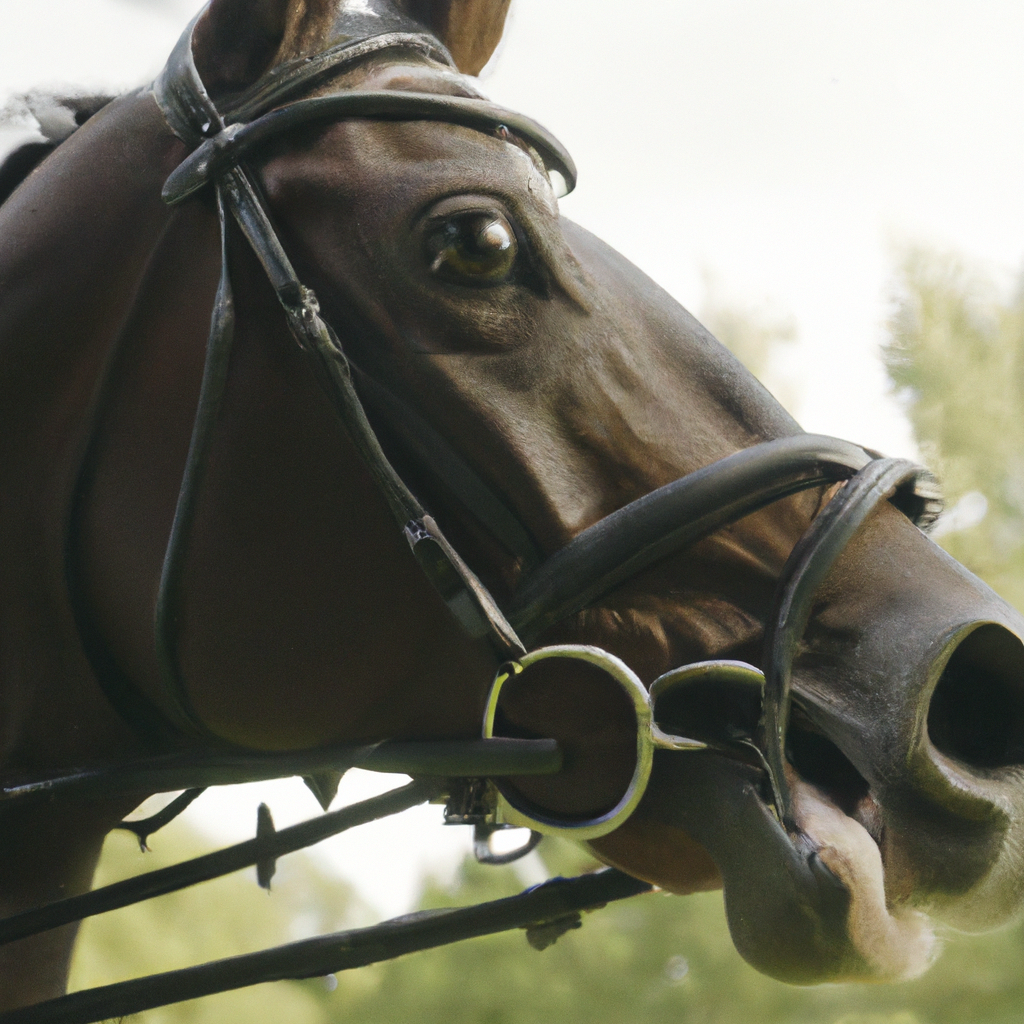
194 118
181 95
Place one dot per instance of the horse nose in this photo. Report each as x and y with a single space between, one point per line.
976 712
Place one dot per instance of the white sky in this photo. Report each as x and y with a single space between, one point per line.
789 149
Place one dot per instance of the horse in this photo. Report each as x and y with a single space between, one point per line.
830 710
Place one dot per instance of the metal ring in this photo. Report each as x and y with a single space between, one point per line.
515 812
485 855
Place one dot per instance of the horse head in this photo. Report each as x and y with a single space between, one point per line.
554 385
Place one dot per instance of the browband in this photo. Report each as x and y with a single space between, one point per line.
229 146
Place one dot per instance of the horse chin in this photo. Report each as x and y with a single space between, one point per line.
893 943
804 907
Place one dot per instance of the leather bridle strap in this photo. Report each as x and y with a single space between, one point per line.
432 453
597 560
192 114
545 911
804 572
230 145
683 512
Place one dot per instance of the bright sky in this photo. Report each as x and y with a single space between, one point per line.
789 150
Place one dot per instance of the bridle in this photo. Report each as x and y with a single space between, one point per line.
596 561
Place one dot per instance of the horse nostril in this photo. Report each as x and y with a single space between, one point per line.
977 709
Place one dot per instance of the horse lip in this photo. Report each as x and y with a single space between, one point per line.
807 906
868 814
893 940
786 909
726 716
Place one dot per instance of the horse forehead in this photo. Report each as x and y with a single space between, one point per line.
372 154
400 161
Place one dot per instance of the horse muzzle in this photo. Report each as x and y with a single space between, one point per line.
904 759
869 780
873 781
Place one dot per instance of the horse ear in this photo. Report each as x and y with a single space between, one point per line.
471 29
235 41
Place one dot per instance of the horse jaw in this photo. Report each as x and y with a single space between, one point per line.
804 907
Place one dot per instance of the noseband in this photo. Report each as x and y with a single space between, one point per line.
596 561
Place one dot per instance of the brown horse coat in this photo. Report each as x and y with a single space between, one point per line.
572 385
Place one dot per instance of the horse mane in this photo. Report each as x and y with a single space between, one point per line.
55 117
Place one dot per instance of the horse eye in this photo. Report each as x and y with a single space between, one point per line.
472 248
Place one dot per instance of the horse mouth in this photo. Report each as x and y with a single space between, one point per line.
823 776
817 761
838 814
811 901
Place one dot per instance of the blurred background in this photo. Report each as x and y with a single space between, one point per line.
835 190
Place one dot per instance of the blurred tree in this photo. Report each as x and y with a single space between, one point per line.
956 355
216 919
660 959
759 336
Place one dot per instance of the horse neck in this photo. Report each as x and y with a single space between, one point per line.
74 242
47 851
75 239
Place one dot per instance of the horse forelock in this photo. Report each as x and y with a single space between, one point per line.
56 116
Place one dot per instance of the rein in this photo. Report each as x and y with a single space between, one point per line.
468 775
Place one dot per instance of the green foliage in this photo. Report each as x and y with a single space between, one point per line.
956 356
663 959
216 919
758 336
660 959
